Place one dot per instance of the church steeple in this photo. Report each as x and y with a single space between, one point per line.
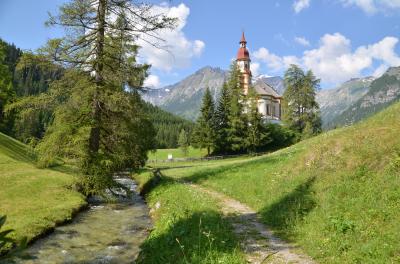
243 64
243 41
243 53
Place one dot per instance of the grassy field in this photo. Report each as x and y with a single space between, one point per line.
33 199
162 154
188 227
336 195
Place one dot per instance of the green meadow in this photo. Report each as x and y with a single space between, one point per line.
336 196
34 200
162 154
188 226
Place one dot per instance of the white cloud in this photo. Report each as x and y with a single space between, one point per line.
334 61
152 81
178 51
380 70
299 5
302 41
373 6
273 61
254 68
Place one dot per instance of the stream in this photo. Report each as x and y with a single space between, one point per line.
105 233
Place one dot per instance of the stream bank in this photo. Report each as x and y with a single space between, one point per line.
105 233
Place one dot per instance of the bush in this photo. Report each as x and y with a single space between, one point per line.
281 136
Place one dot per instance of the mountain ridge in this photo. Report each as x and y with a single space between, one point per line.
383 92
184 97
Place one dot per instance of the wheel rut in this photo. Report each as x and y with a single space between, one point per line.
258 242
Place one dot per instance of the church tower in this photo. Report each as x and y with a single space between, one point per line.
243 63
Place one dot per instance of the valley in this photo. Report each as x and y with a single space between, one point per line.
199 132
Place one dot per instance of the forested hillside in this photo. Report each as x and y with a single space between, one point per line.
32 74
383 92
168 126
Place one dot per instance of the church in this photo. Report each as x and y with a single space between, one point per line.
269 101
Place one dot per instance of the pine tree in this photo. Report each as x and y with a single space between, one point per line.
204 133
257 135
183 142
237 123
300 108
222 120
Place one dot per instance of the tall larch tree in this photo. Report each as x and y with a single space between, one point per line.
98 114
301 110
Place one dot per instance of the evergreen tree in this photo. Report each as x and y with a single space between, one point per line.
301 111
237 123
204 132
98 115
222 120
183 142
257 135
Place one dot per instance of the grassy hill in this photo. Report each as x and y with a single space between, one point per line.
33 199
336 195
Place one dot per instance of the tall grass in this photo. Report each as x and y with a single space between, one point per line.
188 227
336 195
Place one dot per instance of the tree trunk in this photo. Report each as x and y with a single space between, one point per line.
94 140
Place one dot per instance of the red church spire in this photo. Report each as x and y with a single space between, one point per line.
243 53
243 39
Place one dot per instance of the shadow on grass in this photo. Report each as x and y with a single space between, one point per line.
285 214
157 179
16 150
67 169
201 237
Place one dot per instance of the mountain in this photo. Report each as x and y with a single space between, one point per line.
345 104
184 98
334 102
383 92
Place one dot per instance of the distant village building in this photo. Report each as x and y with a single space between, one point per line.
269 101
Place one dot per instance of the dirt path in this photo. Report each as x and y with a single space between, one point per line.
258 242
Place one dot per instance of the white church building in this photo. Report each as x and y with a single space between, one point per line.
269 101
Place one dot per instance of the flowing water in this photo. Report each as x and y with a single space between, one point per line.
106 233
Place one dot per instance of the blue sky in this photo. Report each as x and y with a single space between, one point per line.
337 39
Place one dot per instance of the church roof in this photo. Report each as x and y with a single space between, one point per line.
243 53
262 88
